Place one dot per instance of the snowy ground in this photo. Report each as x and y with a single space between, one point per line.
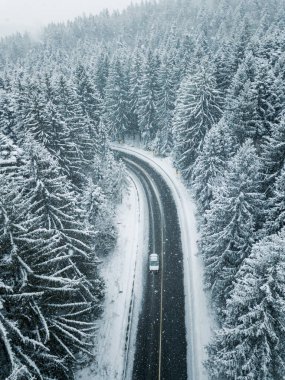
119 271
123 274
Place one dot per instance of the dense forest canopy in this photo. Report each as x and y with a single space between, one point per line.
203 82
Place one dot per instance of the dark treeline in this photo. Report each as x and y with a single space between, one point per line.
204 83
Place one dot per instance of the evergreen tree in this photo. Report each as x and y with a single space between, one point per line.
135 78
186 55
275 213
91 106
224 67
231 223
7 114
250 344
88 95
100 213
22 93
198 108
242 103
211 164
116 101
79 148
147 103
271 97
56 245
242 34
102 72
23 328
201 50
274 151
166 95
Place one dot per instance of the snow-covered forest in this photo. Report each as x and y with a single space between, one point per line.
201 82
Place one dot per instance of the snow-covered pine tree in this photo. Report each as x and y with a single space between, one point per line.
75 136
231 223
102 72
211 164
104 191
79 148
147 102
275 212
7 114
224 66
197 109
100 214
90 102
110 176
242 103
251 103
62 260
186 52
241 35
22 90
135 78
26 354
88 95
116 102
9 156
202 49
166 96
270 99
46 124
274 151
250 344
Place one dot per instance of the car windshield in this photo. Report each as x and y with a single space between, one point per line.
153 261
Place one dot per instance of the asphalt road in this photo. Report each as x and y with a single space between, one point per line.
161 335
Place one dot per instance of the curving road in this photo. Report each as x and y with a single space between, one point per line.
161 335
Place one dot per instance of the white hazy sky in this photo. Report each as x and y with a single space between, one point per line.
30 15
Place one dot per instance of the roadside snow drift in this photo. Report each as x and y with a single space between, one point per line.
122 272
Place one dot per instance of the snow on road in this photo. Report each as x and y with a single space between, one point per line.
129 260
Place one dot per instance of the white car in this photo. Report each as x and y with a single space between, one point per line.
153 263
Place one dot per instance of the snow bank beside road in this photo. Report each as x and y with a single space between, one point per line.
118 271
198 321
